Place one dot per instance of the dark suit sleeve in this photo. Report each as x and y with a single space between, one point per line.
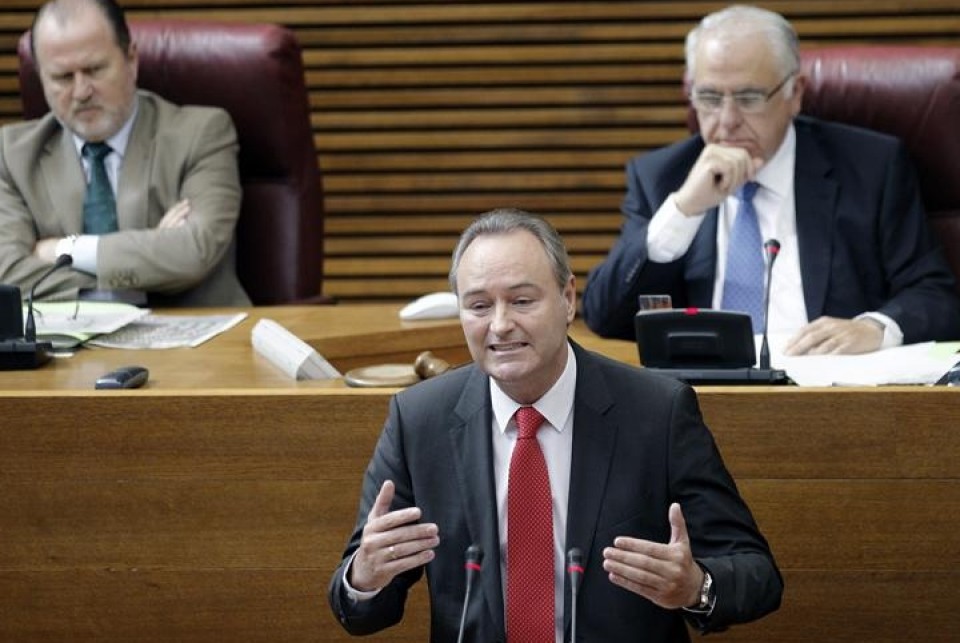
723 534
610 295
921 295
386 608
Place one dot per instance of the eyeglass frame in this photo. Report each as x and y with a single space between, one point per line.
757 98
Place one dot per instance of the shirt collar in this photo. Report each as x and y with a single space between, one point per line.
777 174
555 405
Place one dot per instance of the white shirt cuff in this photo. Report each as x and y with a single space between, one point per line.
85 253
671 232
892 335
355 595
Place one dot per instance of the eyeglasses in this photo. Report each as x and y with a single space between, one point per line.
748 101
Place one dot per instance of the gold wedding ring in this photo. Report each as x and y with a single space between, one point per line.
393 552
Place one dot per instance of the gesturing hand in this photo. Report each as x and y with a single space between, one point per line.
392 542
665 574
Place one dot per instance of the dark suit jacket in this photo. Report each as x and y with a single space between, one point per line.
862 232
639 443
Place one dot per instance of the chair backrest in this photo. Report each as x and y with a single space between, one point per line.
255 72
910 92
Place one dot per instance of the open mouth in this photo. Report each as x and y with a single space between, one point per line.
508 347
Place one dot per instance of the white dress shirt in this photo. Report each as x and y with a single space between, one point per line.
556 442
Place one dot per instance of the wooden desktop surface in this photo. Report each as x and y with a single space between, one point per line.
348 336
213 504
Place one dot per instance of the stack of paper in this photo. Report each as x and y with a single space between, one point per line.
922 363
68 323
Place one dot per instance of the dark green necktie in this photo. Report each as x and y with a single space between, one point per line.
99 205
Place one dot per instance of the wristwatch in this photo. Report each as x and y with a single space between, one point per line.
706 592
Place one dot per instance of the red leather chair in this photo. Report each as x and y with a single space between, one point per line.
910 92
255 72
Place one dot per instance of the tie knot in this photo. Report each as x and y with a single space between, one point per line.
96 151
747 191
528 421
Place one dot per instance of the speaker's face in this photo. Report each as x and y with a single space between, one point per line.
88 80
514 314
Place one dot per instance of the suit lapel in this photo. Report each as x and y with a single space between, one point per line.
132 204
594 439
816 202
61 174
474 452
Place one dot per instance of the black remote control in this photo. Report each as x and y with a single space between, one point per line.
126 377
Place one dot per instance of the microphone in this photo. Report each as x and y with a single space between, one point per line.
19 348
30 330
575 572
771 248
471 565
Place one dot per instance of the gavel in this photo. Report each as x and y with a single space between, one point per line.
428 365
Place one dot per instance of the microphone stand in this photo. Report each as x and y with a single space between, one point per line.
575 570
474 556
771 248
764 374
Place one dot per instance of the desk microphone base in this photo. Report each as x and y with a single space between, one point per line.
21 355
727 376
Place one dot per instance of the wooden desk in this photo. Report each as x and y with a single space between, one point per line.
209 509
348 336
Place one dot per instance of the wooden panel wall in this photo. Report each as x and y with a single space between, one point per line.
427 113
221 518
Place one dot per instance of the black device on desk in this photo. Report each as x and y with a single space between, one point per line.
125 377
951 377
18 352
702 347
25 353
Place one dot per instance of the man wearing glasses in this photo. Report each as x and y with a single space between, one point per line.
858 269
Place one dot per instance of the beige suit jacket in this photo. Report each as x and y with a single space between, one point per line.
173 153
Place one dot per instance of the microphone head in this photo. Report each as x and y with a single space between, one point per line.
474 557
771 248
575 568
63 260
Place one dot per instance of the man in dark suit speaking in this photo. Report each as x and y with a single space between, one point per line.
858 269
536 448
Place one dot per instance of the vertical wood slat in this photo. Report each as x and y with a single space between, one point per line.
433 111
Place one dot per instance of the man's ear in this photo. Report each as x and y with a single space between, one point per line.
570 296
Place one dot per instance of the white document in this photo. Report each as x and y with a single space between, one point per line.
68 323
168 331
289 353
911 364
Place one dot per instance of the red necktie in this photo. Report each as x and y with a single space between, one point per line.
530 584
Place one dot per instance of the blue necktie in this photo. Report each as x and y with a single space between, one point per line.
99 205
743 283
